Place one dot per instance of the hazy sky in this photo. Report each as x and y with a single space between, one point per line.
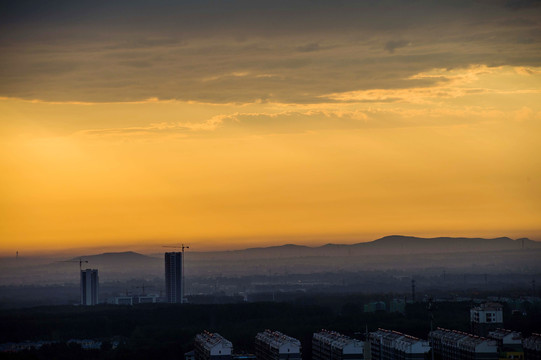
228 124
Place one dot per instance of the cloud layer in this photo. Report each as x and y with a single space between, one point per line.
245 51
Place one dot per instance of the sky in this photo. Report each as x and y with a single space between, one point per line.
231 124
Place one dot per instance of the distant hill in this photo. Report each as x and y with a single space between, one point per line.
122 262
388 245
390 252
411 244
125 256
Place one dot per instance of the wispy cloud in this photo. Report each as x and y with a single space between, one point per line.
446 84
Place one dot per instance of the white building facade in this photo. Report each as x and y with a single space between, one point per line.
458 345
212 346
485 318
273 345
330 345
394 345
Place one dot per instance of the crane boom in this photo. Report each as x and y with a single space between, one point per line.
80 261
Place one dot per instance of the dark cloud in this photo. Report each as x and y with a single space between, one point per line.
239 51
392 45
522 4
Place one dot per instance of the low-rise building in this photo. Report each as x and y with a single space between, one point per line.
146 299
122 300
212 346
330 345
458 345
394 345
273 345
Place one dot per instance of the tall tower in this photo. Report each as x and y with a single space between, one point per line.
89 287
173 277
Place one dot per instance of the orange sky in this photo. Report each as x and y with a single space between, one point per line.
256 153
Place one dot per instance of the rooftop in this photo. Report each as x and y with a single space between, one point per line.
276 338
335 338
489 306
209 340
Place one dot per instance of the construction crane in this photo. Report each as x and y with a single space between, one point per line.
80 261
182 247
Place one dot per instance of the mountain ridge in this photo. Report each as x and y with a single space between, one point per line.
391 244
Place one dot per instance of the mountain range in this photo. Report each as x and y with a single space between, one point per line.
388 245
390 252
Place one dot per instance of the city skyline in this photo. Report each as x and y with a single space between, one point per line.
229 125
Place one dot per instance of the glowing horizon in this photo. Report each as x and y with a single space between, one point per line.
234 133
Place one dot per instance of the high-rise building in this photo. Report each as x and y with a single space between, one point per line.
486 318
173 277
212 346
330 345
89 287
273 345
458 345
393 345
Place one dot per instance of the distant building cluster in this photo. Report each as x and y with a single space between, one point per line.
383 344
395 305
174 284
134 299
86 344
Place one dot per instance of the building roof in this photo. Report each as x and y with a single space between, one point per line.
489 306
403 342
505 335
209 340
276 339
459 339
336 339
